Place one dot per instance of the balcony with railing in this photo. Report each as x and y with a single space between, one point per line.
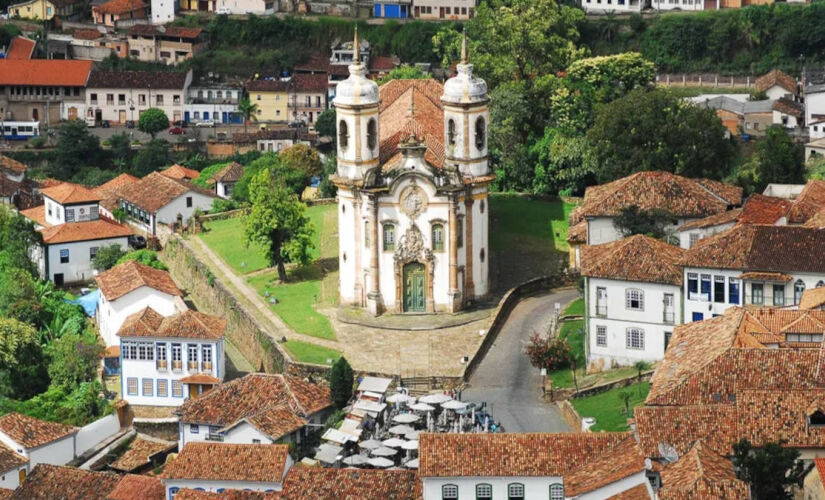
162 365
177 366
192 366
206 366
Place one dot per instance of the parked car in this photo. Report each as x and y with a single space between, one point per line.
180 123
176 131
104 123
130 124
205 123
137 242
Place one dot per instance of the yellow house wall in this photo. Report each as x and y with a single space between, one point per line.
38 9
271 105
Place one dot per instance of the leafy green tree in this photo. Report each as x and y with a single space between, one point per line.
17 238
278 222
327 189
93 176
301 157
654 130
564 163
641 366
79 406
154 156
777 159
76 147
73 359
772 470
106 257
19 298
633 220
249 111
405 72
325 124
509 132
341 381
145 257
152 121
625 397
22 366
121 147
611 77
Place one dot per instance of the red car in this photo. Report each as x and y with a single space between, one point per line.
176 131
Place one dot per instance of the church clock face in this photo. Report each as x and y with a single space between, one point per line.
413 201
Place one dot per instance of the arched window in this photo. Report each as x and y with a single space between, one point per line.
515 491
798 288
372 133
557 491
449 492
389 237
438 237
200 94
820 283
343 135
816 418
481 255
460 233
635 339
635 299
209 94
481 134
481 206
451 132
367 233
484 491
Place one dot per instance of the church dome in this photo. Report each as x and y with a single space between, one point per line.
357 89
464 88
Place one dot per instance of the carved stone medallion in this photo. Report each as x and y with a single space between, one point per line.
411 246
413 201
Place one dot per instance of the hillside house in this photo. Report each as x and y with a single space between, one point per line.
113 12
38 441
167 44
121 96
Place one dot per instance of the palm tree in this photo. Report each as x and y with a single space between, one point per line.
625 397
641 366
248 109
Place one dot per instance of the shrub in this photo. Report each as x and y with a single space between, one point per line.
550 353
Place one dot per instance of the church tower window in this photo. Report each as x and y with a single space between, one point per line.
460 233
372 134
389 237
480 134
343 134
451 132
438 237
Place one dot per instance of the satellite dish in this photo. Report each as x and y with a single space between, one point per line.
668 452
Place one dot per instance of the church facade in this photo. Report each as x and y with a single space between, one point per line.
413 183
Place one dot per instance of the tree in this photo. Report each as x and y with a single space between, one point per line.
145 257
75 148
301 157
17 238
770 470
278 222
121 147
633 220
640 366
654 130
248 110
509 132
22 368
405 72
340 383
325 124
327 189
152 121
563 163
551 353
106 257
777 160
74 359
154 156
625 397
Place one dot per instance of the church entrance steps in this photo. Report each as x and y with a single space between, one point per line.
412 321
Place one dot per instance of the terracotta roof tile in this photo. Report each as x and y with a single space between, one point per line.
140 453
99 229
68 193
637 258
577 233
169 80
820 468
9 459
728 192
789 107
309 82
623 460
5 493
156 190
229 462
230 173
700 472
758 209
47 72
728 217
37 215
259 397
180 172
12 165
87 34
134 487
771 416
397 123
119 6
165 31
638 492
200 378
762 276
276 421
31 432
317 483
73 484
681 426
677 195
274 85
20 48
190 494
812 298
129 276
817 220
187 324
382 63
776 77
108 188
810 201
316 62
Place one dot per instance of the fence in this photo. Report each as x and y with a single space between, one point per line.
704 80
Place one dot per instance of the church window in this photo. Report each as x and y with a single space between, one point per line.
481 206
480 134
460 233
389 237
372 133
451 132
366 233
438 237
481 255
343 135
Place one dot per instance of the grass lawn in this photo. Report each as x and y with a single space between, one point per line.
525 224
576 308
311 353
225 238
608 409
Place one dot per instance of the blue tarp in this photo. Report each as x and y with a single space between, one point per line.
89 302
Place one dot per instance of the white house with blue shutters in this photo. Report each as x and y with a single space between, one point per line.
165 360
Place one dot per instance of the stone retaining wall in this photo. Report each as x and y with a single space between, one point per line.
570 416
622 382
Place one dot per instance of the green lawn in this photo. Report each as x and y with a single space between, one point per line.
608 409
576 308
311 353
525 224
225 238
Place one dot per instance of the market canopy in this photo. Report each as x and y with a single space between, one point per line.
412 464
380 462
406 418
410 445
370 444
422 407
384 452
401 429
454 405
356 460
435 399
393 442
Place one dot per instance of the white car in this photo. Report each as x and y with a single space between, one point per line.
205 123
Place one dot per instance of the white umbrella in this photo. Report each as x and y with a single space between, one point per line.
412 436
401 429
406 418
453 405
398 398
434 399
384 452
394 443
380 462
370 444
355 460
412 464
410 445
422 407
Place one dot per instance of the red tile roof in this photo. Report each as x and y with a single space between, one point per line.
180 172
200 378
140 453
577 233
12 165
275 85
318 483
165 31
87 34
810 201
9 459
382 63
73 484
20 48
623 460
681 426
37 215
812 298
169 80
5 493
229 462
820 468
397 122
776 77
728 217
637 258
817 220
46 72
701 474
99 229
638 492
118 7
133 487
131 275
69 193
111 187
31 432
728 192
758 209
156 190
309 82
187 324
230 173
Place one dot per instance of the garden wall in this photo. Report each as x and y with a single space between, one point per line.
570 416
622 382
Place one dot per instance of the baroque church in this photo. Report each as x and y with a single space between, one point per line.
413 183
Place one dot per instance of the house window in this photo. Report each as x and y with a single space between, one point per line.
601 301
177 389
142 99
161 356
92 253
601 336
69 215
438 237
389 237
719 289
460 233
163 388
557 491
480 134
635 338
146 352
64 255
188 202
177 361
668 335
132 386
757 293
148 386
194 429
192 356
669 312
634 299
820 283
779 295
451 132
515 491
798 289
93 99
159 100
121 99
206 357
484 492
733 291
110 99
343 135
705 287
449 492
372 133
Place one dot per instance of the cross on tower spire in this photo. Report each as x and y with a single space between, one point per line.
464 47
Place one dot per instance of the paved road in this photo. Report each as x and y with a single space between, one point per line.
506 380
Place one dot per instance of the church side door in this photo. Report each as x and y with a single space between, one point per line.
414 298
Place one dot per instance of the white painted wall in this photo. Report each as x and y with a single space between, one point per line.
92 434
777 92
465 120
163 11
702 233
534 487
58 452
618 319
169 213
814 105
611 5
213 111
791 121
79 267
246 7
55 213
112 314
10 479
171 106
222 189
173 485
817 130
